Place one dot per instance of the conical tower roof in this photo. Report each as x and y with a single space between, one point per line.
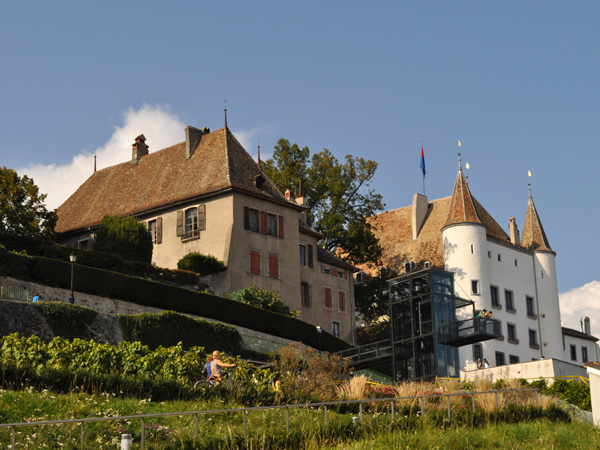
534 236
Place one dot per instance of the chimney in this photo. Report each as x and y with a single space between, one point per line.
192 139
586 326
514 231
288 195
419 212
139 149
300 202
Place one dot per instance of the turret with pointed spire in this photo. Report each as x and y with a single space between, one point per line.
533 236
462 206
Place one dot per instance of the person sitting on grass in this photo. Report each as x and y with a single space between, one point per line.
216 364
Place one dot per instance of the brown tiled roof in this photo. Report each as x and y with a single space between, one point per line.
328 257
164 178
462 206
534 236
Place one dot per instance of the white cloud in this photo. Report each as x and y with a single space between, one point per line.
579 303
249 140
157 123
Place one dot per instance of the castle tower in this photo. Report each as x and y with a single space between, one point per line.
534 238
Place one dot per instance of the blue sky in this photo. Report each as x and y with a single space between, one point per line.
516 82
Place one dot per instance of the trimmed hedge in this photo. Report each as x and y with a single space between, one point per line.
148 293
169 328
46 249
66 320
202 264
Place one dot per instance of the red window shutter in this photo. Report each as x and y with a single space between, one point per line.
310 256
345 274
342 301
334 272
280 227
159 230
273 266
264 222
328 299
179 223
255 262
309 295
246 218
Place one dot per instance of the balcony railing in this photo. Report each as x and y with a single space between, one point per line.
469 331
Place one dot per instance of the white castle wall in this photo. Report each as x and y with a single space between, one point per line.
549 313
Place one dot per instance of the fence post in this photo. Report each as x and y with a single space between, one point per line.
517 398
393 410
143 433
326 415
196 426
287 419
421 401
496 399
245 434
82 429
449 413
360 412
14 437
537 398
473 402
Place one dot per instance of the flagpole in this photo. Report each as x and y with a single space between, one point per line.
423 166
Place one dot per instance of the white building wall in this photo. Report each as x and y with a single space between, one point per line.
593 352
549 308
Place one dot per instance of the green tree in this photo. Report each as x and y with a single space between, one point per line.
263 299
337 197
124 236
370 299
22 208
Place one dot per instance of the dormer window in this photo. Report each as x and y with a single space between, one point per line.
258 181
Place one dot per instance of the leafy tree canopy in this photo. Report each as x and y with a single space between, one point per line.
371 303
22 208
124 236
263 299
337 197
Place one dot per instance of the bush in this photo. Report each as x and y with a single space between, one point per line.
124 236
263 299
66 320
202 264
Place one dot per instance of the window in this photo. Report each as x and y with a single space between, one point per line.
494 296
328 298
305 294
255 262
512 359
190 222
471 249
342 274
263 222
584 356
272 224
500 359
477 352
516 263
84 244
303 260
530 307
490 255
274 266
475 287
499 257
341 301
509 300
155 228
533 343
573 352
253 220
326 269
335 329
512 333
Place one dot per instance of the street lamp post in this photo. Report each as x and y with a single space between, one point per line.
73 258
319 333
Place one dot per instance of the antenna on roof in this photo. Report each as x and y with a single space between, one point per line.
225 114
258 152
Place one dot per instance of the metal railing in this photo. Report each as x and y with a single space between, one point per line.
14 293
244 411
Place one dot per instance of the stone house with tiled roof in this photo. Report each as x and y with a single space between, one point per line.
511 274
208 195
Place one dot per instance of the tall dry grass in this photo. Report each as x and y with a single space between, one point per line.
353 389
